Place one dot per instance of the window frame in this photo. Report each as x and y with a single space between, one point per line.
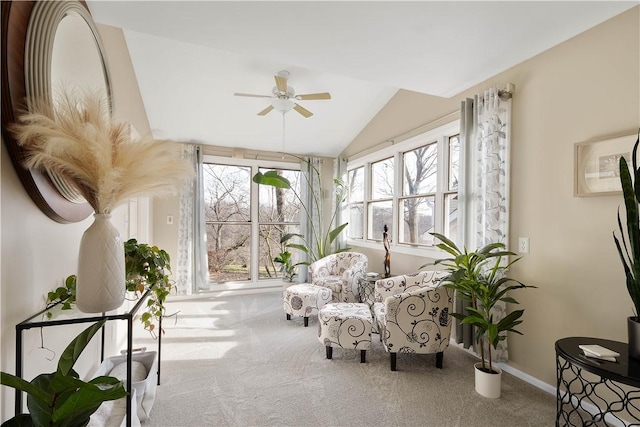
441 136
255 166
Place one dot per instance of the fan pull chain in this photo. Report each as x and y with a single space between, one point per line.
283 130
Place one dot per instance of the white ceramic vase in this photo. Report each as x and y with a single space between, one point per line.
488 384
100 284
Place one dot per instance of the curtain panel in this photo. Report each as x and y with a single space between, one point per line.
192 270
485 132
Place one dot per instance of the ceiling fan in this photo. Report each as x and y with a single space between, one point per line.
283 96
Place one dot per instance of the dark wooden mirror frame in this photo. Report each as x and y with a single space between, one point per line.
16 18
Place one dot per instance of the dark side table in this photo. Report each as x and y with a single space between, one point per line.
611 387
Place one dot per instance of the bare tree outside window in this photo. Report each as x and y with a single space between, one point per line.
356 203
279 214
227 202
380 209
419 179
228 222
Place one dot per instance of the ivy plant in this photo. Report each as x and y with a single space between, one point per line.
146 267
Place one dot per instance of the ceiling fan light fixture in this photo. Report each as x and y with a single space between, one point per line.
284 105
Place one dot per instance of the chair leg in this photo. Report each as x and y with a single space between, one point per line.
439 357
329 351
306 322
363 356
288 316
393 361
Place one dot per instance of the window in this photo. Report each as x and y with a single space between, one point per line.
417 204
356 203
278 215
245 221
411 186
227 213
380 206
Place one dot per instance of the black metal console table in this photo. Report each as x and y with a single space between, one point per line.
609 393
71 317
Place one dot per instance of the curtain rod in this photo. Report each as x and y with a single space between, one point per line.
504 94
405 135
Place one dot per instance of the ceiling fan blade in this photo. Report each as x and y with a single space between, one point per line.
252 95
266 110
324 95
302 111
281 83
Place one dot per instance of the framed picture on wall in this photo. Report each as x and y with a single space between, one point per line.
596 165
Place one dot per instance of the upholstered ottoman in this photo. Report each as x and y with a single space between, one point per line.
305 299
345 325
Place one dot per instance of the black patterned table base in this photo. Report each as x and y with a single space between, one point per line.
585 398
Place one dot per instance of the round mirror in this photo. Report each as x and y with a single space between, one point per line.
48 46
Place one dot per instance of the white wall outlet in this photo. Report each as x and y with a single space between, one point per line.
523 245
169 219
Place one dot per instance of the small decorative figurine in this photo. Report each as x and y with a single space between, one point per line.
387 255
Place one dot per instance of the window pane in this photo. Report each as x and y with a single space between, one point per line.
227 192
380 213
356 185
417 221
280 204
420 170
229 252
451 219
382 179
454 162
356 221
270 247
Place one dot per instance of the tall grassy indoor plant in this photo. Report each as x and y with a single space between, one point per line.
628 244
318 243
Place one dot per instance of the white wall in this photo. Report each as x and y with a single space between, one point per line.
38 253
586 88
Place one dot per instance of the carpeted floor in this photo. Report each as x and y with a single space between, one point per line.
233 360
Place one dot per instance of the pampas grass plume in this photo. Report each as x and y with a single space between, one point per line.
80 141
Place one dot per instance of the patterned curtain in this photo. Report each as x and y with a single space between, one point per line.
192 267
485 124
340 173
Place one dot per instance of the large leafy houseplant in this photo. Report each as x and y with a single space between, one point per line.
61 398
479 278
629 246
318 244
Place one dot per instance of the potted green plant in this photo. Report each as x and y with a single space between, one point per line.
318 244
146 267
61 398
629 245
479 278
289 269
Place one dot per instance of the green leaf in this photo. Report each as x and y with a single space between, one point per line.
271 178
21 420
20 384
333 234
289 236
75 347
88 398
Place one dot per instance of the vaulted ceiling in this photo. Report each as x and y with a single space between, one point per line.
190 57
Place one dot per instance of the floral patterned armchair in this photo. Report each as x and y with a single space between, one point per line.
340 272
412 313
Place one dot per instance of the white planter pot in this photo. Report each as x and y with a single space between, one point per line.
100 284
488 384
145 378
